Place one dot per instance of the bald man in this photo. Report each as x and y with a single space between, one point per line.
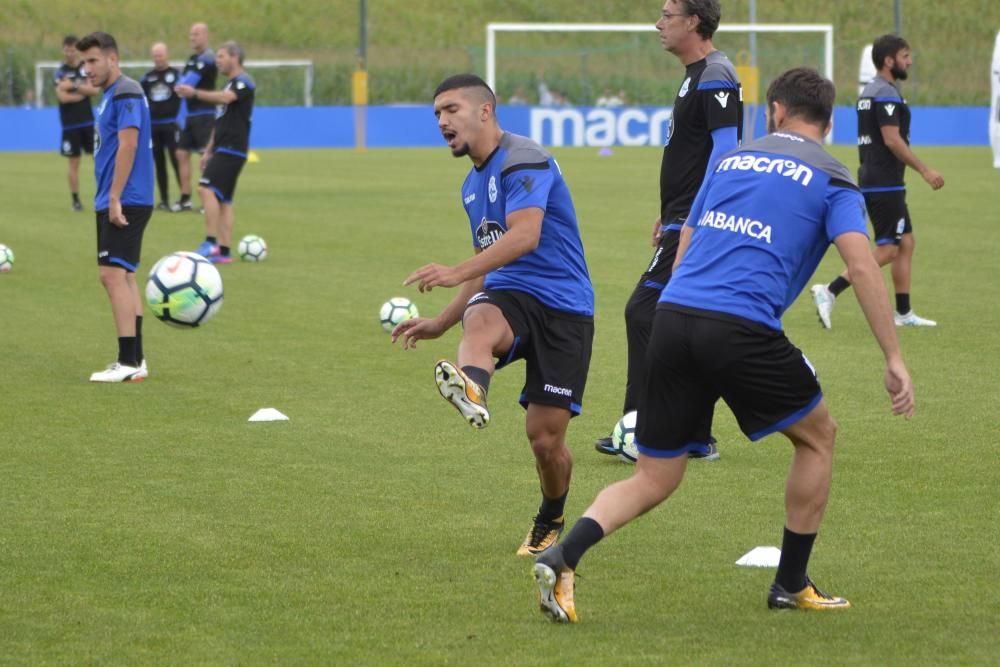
199 73
164 105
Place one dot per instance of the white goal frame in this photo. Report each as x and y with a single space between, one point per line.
493 28
306 65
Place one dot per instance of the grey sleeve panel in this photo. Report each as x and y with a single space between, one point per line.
803 150
719 68
521 150
127 86
879 87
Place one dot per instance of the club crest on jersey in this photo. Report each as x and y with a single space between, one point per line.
493 189
169 77
684 87
722 99
488 232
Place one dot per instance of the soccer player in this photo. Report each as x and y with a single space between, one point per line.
707 122
759 226
884 149
226 151
123 166
525 293
199 72
164 104
75 114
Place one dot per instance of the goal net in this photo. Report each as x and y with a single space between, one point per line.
279 82
579 63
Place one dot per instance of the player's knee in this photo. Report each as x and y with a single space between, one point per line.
111 277
548 447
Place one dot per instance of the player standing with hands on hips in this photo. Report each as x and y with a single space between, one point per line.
525 294
123 169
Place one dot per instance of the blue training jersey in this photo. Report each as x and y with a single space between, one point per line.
124 105
521 174
762 222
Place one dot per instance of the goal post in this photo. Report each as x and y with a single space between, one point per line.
824 31
137 68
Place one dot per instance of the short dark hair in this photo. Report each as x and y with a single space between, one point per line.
887 46
235 50
467 81
709 13
804 93
102 40
69 40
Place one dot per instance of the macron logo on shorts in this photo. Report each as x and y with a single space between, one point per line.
561 391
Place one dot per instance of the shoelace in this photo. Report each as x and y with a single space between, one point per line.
816 590
540 530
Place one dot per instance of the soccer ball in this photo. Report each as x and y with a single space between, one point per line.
252 248
184 290
6 259
623 438
395 310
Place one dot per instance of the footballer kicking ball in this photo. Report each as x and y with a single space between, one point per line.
6 259
623 438
395 310
184 290
252 248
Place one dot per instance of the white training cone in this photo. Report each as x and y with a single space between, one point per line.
267 415
760 557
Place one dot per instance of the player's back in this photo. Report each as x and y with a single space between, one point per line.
762 222
521 174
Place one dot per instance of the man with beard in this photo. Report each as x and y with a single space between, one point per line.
884 149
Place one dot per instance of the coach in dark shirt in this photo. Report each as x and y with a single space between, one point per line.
164 104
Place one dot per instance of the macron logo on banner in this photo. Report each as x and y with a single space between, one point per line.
722 99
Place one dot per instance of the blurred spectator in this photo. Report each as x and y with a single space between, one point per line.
29 99
518 97
610 100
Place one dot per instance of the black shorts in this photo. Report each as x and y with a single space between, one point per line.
889 214
196 133
220 175
166 135
695 357
658 272
555 346
121 246
77 141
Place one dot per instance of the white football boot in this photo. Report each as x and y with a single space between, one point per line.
911 319
824 300
117 372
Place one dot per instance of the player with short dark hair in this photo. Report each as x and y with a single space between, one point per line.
123 169
200 72
525 294
226 151
884 150
76 116
761 223
707 122
164 105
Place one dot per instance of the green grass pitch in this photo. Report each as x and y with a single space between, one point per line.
151 523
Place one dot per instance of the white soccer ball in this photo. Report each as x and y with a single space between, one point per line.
395 310
6 259
623 438
184 290
252 248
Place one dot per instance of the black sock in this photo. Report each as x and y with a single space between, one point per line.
552 508
478 375
138 340
585 534
224 250
76 197
795 551
185 198
902 302
838 285
126 351
211 239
